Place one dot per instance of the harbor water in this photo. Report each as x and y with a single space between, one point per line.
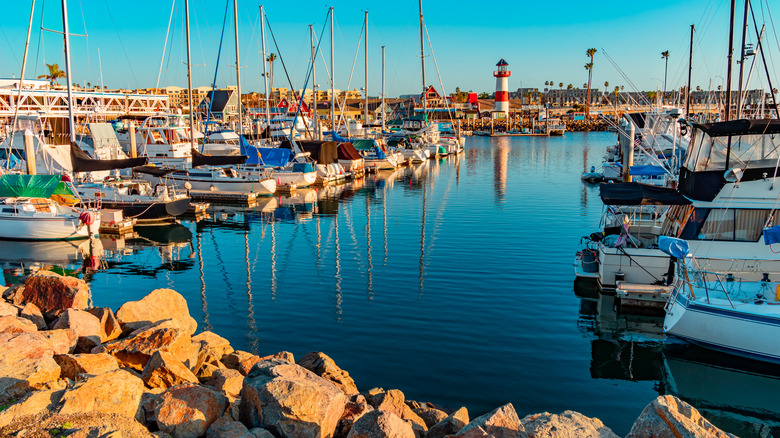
450 280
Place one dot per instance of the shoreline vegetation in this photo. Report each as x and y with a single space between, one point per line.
69 369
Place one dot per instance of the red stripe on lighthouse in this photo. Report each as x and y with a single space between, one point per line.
502 96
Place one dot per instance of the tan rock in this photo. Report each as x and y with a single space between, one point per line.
356 407
158 305
430 416
51 292
109 326
33 313
241 361
393 401
228 382
61 341
32 404
86 326
163 371
7 309
114 392
322 365
284 355
211 349
451 425
500 423
381 424
206 370
26 364
290 401
216 345
568 424
224 428
668 416
189 410
74 365
136 350
16 324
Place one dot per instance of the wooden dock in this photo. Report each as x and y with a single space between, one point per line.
225 197
122 227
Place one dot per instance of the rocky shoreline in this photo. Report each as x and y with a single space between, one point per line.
68 369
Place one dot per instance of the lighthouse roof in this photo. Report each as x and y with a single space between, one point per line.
502 62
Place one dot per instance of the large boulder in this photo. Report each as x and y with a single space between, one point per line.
33 313
16 324
211 349
241 361
32 404
188 410
500 423
7 309
393 401
669 417
450 425
51 293
381 424
290 401
568 424
115 392
159 305
82 322
228 382
225 428
26 364
431 416
136 350
322 365
109 326
75 365
62 341
163 371
356 407
215 345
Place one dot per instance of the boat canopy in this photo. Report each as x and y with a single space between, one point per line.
277 157
633 193
199 159
154 170
348 152
369 145
81 162
324 152
32 186
647 170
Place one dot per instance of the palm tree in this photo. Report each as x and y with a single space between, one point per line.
271 58
569 87
54 73
665 57
589 66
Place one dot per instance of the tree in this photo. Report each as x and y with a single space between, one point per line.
271 58
54 73
569 87
483 95
589 66
665 57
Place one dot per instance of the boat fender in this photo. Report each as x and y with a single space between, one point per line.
87 218
777 292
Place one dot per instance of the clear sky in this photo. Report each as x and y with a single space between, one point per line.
541 40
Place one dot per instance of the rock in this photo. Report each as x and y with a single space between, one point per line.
33 313
7 309
215 345
241 361
86 326
74 365
16 324
228 382
284 355
86 344
322 365
568 424
224 428
356 407
160 304
259 432
450 425
164 371
211 349
393 401
26 364
430 416
381 424
500 423
61 341
136 350
188 410
51 292
109 326
668 416
290 401
32 404
206 370
114 392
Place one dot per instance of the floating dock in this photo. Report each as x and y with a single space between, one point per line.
223 197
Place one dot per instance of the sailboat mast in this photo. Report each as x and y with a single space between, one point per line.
238 69
314 82
729 62
383 89
365 104
690 68
422 60
189 73
332 78
742 59
265 69
24 65
66 35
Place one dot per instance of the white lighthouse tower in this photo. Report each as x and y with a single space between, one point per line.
502 87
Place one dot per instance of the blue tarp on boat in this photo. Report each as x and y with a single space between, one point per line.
772 235
336 137
673 246
277 157
647 170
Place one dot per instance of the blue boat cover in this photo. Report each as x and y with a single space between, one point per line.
673 246
248 150
274 156
647 170
772 235
336 137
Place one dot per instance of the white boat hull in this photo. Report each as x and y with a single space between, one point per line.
262 187
45 228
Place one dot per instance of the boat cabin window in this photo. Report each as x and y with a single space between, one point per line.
9 210
727 224
709 153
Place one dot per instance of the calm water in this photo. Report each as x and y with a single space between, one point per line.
451 281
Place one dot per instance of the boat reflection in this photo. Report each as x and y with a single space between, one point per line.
21 258
172 242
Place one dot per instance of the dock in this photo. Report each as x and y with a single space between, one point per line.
225 197
647 298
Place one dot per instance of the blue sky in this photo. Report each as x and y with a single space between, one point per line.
541 41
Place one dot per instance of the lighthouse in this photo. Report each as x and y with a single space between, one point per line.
502 87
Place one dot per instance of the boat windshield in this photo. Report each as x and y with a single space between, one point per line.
709 153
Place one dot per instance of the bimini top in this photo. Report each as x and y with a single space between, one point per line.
632 193
740 127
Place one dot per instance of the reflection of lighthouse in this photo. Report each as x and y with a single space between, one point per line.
502 87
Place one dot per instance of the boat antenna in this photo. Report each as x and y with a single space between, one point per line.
690 69
728 66
742 58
